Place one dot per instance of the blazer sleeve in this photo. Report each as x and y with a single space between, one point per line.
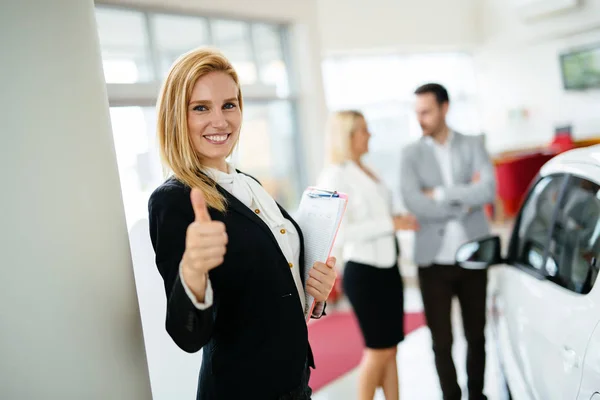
169 219
423 207
481 192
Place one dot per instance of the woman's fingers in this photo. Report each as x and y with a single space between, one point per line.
312 290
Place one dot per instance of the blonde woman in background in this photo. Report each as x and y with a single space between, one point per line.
372 280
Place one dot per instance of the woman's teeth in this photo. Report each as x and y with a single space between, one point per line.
217 138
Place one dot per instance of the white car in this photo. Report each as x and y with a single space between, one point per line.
545 299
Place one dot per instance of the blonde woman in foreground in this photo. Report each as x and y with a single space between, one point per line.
372 280
231 258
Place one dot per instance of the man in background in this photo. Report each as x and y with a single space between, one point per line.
447 178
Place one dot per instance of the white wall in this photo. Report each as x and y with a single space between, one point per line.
69 318
174 373
502 23
398 25
518 67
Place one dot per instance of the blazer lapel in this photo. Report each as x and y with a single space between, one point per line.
456 158
430 159
300 236
241 208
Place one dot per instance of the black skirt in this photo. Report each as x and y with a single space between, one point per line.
377 297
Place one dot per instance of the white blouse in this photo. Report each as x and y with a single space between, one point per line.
367 234
255 197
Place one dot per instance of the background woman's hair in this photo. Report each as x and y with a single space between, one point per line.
177 151
339 129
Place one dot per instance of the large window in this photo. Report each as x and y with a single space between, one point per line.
176 34
382 88
124 41
138 48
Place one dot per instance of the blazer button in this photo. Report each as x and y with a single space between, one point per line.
282 231
291 265
257 211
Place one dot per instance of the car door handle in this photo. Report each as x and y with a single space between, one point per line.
570 359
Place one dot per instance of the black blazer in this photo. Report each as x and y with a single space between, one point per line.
255 338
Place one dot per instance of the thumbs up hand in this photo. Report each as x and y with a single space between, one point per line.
205 246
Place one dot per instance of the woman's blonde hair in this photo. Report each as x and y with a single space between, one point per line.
339 130
176 147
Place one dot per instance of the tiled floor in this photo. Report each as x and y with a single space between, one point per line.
418 378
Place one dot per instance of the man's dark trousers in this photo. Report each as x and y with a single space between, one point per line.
439 284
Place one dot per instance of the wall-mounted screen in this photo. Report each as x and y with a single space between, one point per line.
581 68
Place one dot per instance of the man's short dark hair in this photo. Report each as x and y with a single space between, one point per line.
440 92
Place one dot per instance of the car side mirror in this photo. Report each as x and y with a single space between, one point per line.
479 254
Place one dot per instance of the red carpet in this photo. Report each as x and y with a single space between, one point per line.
337 344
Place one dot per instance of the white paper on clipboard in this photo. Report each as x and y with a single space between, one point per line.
319 216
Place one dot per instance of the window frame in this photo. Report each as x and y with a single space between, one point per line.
144 96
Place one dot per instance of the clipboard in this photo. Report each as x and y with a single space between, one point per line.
319 216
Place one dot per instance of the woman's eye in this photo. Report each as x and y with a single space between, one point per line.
229 106
200 108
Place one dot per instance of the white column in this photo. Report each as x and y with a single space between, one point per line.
69 319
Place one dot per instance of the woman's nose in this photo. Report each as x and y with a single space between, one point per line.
218 120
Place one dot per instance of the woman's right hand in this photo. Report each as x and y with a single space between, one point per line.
205 246
406 222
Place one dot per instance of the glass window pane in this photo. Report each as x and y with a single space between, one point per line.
233 39
535 222
387 122
140 171
575 242
394 78
175 35
124 44
267 150
269 53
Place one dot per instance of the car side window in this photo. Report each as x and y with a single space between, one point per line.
574 245
530 237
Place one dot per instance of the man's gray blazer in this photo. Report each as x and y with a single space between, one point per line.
463 201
